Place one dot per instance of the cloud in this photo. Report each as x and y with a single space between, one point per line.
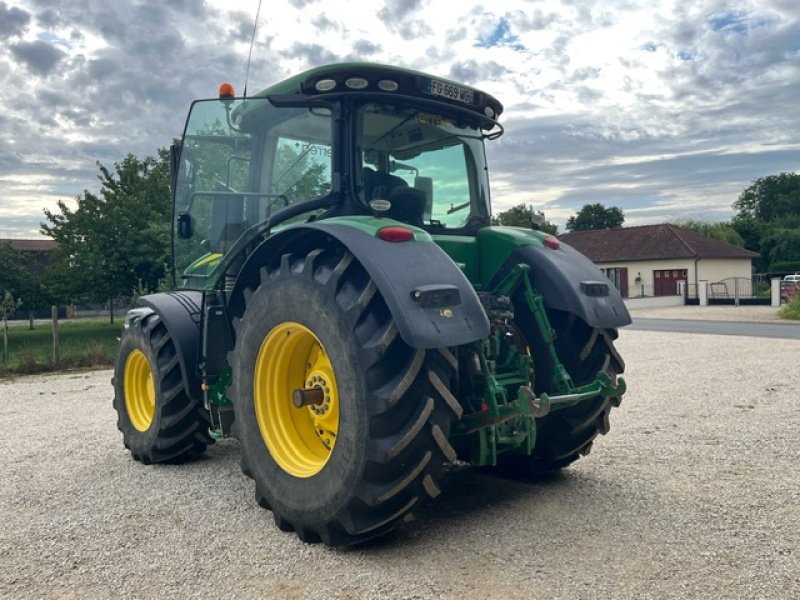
500 36
365 48
40 57
13 21
664 107
314 54
322 23
396 11
473 71
396 16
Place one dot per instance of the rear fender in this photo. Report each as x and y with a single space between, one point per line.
568 281
180 312
431 300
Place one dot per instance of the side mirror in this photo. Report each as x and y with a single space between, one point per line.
185 226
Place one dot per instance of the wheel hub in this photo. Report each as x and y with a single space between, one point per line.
298 427
140 390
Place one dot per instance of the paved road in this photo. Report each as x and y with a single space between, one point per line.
771 330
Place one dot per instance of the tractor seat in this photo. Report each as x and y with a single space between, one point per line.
408 203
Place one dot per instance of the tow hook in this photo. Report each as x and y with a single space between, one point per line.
540 406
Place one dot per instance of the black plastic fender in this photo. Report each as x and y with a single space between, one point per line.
180 312
569 281
431 300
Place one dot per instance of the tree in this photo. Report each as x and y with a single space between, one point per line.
12 274
118 238
21 275
596 216
523 215
780 248
772 198
8 304
719 230
768 220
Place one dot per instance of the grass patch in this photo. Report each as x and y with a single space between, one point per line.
791 310
84 343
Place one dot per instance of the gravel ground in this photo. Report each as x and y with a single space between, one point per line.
695 493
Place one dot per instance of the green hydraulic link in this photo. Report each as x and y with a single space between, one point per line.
509 284
217 398
601 386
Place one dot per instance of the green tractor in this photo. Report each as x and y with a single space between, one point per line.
346 310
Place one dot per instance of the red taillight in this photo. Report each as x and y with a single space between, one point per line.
551 242
395 233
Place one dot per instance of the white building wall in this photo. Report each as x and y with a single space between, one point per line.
709 269
644 271
717 269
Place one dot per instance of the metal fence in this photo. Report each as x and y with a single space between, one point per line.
753 290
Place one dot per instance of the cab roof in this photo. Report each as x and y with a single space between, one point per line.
409 83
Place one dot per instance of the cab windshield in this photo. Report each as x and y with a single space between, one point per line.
421 168
241 162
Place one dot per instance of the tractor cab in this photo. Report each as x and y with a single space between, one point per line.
341 140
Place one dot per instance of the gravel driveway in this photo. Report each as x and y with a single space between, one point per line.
695 493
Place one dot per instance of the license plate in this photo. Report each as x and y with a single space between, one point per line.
450 91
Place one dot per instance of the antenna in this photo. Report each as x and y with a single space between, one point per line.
250 54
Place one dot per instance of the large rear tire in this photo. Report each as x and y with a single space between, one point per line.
160 422
353 463
565 435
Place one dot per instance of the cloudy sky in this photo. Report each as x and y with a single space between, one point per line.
665 109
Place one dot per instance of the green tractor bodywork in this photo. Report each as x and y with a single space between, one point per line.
384 168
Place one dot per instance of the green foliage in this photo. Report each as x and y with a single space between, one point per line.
116 238
12 274
791 310
785 266
523 215
596 216
768 219
21 273
771 198
8 305
719 230
780 246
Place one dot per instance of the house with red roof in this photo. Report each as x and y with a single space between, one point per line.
40 245
38 252
651 260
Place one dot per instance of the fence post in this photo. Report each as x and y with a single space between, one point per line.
736 291
702 292
56 346
775 291
5 342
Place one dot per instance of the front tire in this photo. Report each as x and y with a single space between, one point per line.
160 422
349 467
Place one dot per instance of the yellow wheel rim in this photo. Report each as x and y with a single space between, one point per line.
140 391
301 439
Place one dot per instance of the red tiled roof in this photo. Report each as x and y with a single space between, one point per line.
41 245
650 242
